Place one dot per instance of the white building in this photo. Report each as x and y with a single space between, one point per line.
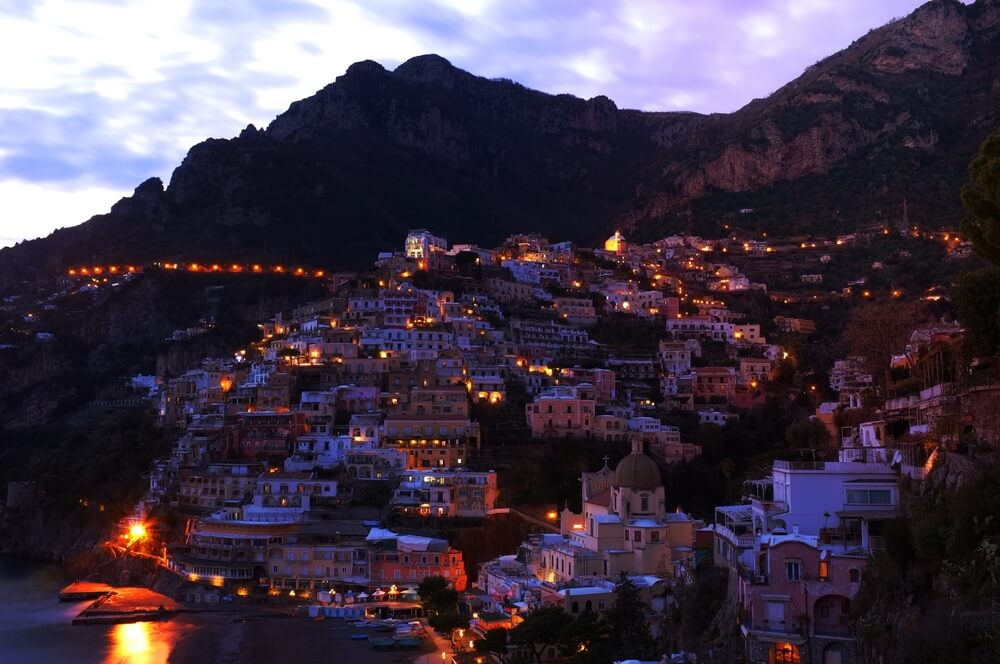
420 243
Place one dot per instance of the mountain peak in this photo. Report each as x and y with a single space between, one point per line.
430 68
365 67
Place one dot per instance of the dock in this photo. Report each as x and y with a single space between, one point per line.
122 605
80 590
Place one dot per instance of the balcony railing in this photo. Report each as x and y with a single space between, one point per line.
744 541
836 630
839 536
799 465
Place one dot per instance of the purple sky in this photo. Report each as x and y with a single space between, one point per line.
96 96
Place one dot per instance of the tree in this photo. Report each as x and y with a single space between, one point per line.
977 301
585 639
878 330
807 433
981 197
448 621
495 642
628 627
541 629
437 595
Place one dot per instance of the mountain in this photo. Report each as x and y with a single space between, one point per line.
344 173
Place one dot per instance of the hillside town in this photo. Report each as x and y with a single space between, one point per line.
335 462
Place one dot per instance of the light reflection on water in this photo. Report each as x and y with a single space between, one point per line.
140 643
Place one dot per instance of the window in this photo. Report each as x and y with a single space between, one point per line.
869 497
793 570
638 536
855 575
654 536
645 503
626 535
824 570
775 613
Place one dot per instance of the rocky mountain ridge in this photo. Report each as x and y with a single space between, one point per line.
346 172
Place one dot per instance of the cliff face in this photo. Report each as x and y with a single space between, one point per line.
347 171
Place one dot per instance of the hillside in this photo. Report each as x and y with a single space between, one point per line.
346 172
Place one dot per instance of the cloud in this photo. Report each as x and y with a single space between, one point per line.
98 95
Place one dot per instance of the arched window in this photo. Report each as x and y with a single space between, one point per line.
645 502
575 608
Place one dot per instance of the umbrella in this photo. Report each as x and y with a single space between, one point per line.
363 596
378 593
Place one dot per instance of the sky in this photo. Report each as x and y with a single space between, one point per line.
98 95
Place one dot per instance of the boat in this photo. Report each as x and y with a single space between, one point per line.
320 617
359 637
410 642
385 643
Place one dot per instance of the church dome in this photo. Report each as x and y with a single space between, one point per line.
637 471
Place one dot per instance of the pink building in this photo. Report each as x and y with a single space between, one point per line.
795 607
715 383
603 381
562 411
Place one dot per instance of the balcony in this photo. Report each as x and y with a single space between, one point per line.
837 631
840 536
799 465
744 541
939 391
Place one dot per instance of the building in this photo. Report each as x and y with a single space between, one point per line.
445 493
577 310
715 384
616 244
410 559
795 551
624 527
266 435
798 604
748 333
284 497
562 411
218 485
675 358
320 556
433 428
787 325
420 243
